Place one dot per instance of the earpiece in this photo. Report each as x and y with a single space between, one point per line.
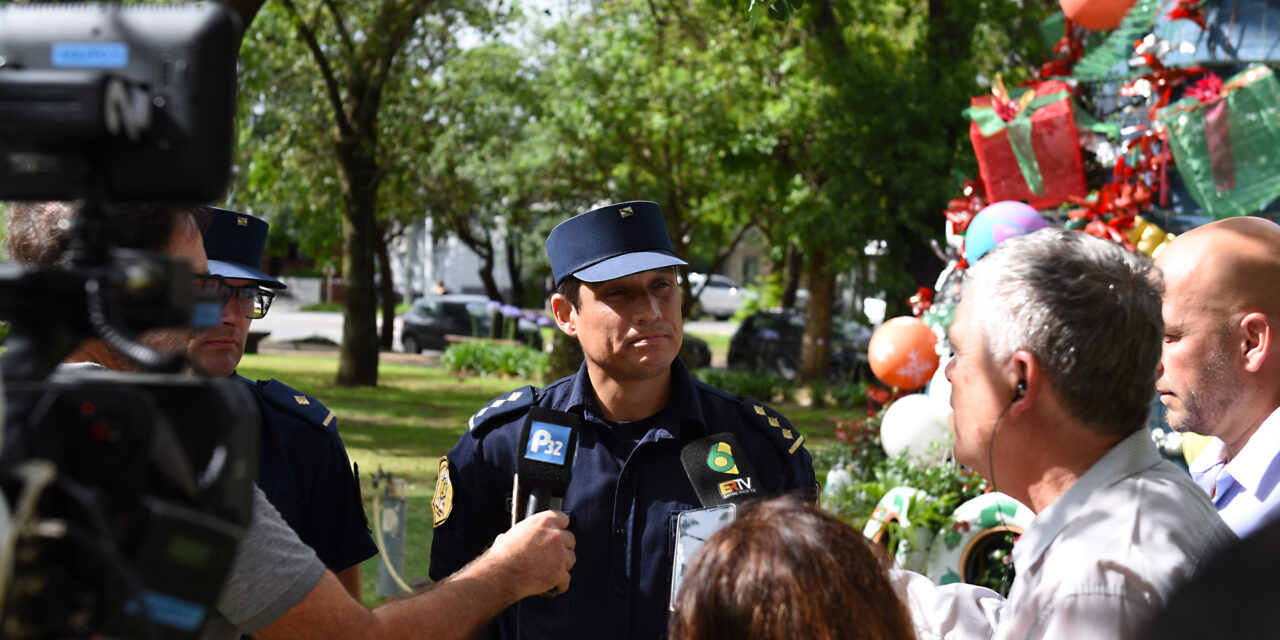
1021 390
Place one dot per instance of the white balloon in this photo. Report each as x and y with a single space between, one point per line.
939 391
910 424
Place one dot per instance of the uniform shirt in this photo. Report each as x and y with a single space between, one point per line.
623 500
1244 489
1098 563
304 470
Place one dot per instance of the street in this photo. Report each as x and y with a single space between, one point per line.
288 325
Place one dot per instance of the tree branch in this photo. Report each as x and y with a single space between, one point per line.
344 36
326 71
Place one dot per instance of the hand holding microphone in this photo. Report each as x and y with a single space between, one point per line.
535 555
548 444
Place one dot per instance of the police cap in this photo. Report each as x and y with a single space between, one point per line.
611 242
234 243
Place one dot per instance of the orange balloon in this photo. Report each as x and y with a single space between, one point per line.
1096 15
902 352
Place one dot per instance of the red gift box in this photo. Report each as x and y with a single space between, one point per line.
1028 148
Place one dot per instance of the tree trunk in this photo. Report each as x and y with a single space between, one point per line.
358 171
816 346
387 291
513 274
486 276
795 264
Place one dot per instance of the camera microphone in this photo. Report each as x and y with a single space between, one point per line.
719 474
721 477
548 443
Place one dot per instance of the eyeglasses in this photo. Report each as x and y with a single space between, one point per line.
254 301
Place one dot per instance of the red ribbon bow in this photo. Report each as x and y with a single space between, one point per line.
1206 89
1190 10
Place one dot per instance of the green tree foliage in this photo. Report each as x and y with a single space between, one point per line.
837 126
318 149
492 181
664 101
888 137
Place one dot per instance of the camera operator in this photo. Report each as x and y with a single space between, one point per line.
277 587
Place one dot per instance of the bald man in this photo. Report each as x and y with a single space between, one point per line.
1219 370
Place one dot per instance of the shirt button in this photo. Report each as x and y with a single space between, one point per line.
619 533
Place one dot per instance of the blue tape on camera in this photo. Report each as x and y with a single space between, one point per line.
93 55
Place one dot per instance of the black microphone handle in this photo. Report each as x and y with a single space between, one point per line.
539 500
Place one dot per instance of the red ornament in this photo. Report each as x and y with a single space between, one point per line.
1096 15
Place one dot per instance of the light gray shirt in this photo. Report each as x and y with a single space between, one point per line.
272 571
1097 563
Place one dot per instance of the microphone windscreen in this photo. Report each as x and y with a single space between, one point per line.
719 470
548 444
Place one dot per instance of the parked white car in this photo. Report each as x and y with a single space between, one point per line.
720 296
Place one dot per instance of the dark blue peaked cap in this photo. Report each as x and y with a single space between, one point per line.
611 242
234 243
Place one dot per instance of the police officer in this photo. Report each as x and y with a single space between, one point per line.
303 466
617 293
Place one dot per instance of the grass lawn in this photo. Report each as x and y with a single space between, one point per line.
412 418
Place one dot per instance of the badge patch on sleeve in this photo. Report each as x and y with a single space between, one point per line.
442 503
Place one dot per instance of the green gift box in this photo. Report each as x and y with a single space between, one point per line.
1227 146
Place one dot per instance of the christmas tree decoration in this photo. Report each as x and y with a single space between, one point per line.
911 426
1096 15
1189 10
1221 32
1067 50
1224 139
1147 238
1027 145
960 211
997 223
901 353
1105 61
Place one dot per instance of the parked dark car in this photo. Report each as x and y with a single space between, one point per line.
769 342
435 321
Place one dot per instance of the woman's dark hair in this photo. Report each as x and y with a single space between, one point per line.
785 569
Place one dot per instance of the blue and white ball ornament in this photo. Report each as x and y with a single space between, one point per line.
998 222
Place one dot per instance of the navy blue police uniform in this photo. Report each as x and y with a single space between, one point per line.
302 465
627 490
304 471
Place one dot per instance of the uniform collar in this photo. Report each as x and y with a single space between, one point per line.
682 407
1131 455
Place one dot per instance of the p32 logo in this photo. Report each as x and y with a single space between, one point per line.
548 442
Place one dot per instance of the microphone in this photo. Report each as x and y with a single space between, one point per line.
722 476
548 443
719 474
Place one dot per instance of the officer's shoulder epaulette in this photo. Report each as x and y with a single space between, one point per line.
778 429
502 409
290 400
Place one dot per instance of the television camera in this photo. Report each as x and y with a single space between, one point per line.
122 495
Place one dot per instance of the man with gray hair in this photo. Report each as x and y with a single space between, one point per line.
1057 339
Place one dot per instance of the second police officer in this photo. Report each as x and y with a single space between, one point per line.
302 464
618 294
